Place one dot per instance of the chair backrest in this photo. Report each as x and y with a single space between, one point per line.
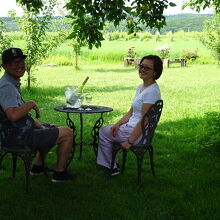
153 117
4 123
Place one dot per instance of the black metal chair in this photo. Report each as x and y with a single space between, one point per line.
24 153
145 144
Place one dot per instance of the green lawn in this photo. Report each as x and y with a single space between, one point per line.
186 144
115 51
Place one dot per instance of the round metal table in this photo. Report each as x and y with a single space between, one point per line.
94 109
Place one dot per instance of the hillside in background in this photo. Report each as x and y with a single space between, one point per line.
186 22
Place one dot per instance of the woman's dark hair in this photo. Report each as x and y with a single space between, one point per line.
158 64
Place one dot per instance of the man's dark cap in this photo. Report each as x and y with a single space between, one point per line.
11 54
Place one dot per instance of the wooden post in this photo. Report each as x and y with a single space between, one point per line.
166 63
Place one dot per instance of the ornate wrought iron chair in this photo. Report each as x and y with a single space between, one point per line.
25 153
145 144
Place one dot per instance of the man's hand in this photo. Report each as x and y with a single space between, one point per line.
114 130
39 125
36 109
125 145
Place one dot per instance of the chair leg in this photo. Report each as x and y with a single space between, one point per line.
2 155
139 153
27 159
124 160
151 154
14 159
139 166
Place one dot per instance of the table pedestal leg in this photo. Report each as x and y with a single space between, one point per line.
71 124
95 133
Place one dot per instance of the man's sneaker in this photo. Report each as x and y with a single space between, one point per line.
115 172
39 170
110 172
63 176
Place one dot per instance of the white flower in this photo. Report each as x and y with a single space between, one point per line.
163 48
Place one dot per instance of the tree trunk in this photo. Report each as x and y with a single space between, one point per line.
76 60
29 78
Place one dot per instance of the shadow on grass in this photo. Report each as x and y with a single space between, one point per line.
122 70
186 186
52 92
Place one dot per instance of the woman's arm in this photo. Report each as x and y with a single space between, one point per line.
137 130
123 120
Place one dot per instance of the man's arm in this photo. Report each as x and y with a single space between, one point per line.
16 113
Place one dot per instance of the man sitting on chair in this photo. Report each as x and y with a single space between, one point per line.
23 128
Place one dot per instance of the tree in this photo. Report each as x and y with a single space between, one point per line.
76 45
211 35
5 41
89 16
38 43
198 4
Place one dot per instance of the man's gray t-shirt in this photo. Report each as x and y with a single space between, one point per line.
10 96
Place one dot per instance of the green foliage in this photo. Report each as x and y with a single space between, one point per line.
211 35
187 175
38 44
157 36
198 4
190 55
169 36
33 5
114 36
164 51
186 22
89 17
131 52
180 34
5 40
211 138
146 36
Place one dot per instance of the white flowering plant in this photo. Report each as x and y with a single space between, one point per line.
163 51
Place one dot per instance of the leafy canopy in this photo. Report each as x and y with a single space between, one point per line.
38 44
89 16
211 35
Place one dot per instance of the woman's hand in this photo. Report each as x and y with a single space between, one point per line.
125 145
114 130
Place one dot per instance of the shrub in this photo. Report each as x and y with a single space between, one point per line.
190 55
157 36
146 36
114 36
163 51
211 138
131 52
169 36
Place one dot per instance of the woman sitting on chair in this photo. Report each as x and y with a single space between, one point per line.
128 129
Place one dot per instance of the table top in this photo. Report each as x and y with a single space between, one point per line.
82 109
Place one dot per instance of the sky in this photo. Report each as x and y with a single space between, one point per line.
7 5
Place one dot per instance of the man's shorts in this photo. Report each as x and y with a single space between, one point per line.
42 138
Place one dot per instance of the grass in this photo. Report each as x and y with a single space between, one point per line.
114 51
186 150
